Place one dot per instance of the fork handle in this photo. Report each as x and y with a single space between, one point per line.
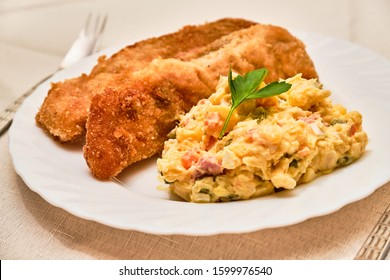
377 245
7 115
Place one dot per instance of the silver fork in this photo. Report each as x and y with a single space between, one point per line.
377 244
87 42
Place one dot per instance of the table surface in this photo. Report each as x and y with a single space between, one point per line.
35 35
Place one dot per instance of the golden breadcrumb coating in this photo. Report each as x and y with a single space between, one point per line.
64 111
131 119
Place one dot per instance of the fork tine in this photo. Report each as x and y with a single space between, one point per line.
85 29
88 41
99 28
99 24
94 28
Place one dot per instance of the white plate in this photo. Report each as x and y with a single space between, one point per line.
358 78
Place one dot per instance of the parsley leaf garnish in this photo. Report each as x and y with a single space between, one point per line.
245 87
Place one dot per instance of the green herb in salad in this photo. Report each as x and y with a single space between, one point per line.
245 87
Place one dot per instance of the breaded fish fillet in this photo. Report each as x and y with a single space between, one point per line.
64 111
131 120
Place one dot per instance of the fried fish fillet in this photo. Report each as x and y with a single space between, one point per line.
131 120
64 111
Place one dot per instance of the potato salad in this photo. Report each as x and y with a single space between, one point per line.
270 144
